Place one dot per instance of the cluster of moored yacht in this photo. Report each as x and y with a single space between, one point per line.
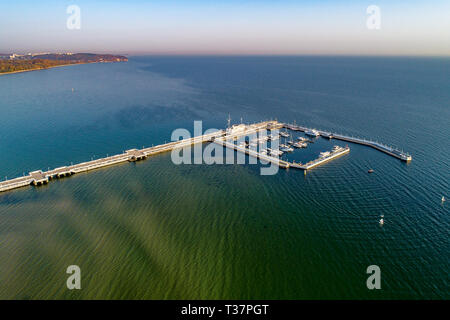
312 132
288 146
300 143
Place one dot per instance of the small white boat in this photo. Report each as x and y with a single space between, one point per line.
284 134
443 199
312 132
286 149
274 152
381 221
291 141
274 137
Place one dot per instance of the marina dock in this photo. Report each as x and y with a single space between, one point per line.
253 153
376 145
314 163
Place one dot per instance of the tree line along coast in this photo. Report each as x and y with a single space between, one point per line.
12 63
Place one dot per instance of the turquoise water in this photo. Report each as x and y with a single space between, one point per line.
155 230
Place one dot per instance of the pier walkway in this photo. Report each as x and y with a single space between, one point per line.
43 177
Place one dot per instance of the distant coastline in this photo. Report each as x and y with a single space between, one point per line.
16 63
37 69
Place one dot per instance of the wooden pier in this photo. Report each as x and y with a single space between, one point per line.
225 138
43 177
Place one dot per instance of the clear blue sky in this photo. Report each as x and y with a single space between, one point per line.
227 27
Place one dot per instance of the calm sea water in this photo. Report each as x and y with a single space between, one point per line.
155 230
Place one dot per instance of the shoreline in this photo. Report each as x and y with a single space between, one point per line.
62 65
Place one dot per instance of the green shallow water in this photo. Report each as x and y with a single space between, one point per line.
160 231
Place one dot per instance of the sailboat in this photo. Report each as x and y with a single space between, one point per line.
284 134
285 148
300 145
291 141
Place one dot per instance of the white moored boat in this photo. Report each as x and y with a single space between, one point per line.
312 132
286 149
274 152
300 145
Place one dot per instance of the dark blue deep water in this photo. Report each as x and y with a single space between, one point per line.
155 230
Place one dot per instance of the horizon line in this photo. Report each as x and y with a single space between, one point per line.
237 54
